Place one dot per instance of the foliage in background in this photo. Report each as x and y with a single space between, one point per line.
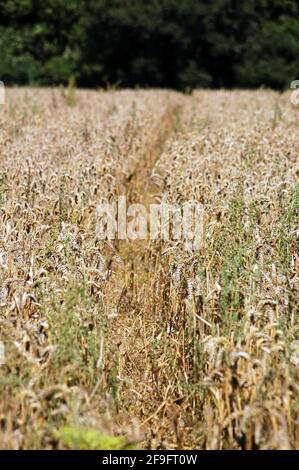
160 43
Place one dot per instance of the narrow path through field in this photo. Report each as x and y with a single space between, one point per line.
133 330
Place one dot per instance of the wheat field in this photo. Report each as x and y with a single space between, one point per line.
145 344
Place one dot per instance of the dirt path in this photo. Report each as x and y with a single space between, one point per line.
133 330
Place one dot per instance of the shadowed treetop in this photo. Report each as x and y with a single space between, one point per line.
150 43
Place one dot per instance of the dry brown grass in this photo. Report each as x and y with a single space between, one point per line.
169 348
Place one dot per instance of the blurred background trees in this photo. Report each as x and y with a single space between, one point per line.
150 43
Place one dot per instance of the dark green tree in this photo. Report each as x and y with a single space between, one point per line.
161 43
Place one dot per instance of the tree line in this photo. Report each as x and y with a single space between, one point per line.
180 44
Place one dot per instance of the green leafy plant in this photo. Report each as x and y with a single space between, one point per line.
77 438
